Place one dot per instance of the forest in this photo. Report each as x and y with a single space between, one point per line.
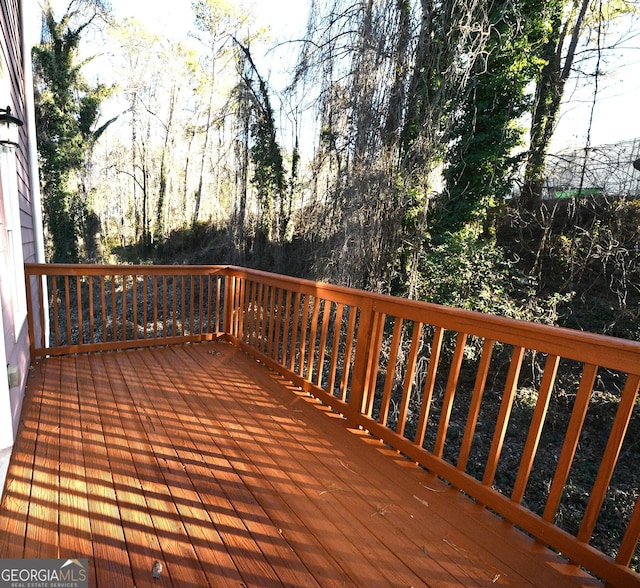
407 151
406 148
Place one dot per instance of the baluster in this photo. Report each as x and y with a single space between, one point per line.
304 325
114 308
259 315
165 307
134 295
429 385
255 305
503 416
335 346
631 537
56 310
364 343
243 306
391 370
312 337
103 305
201 307
192 305
125 307
231 316
208 311
610 458
286 320
450 392
80 310
246 335
408 378
374 362
324 331
476 402
92 325
277 327
255 308
294 332
265 327
273 320
535 429
67 306
155 305
174 307
183 303
219 313
570 445
349 338
145 306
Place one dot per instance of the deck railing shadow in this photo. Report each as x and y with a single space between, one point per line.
536 423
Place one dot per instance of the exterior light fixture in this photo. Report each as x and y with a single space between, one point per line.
9 126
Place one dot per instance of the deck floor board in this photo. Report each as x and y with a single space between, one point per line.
203 460
42 521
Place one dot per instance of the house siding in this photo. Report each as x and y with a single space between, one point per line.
13 93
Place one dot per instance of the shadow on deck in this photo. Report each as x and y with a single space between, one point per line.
202 459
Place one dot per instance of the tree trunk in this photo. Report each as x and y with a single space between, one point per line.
548 98
196 211
162 191
243 180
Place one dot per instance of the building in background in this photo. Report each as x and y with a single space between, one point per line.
602 170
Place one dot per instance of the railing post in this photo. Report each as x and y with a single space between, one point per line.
229 303
361 365
32 343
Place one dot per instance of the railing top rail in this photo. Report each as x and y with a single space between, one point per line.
76 269
602 350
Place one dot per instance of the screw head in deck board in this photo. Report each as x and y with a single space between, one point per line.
156 571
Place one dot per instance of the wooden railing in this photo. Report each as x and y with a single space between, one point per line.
478 400
100 308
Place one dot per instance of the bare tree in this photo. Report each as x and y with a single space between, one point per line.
387 74
217 23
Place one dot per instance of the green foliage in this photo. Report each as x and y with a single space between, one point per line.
67 109
548 94
268 172
268 165
480 164
479 167
469 272
216 17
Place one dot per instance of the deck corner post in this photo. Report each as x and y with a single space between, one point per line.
364 345
229 302
31 326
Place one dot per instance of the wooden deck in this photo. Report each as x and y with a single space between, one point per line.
200 458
